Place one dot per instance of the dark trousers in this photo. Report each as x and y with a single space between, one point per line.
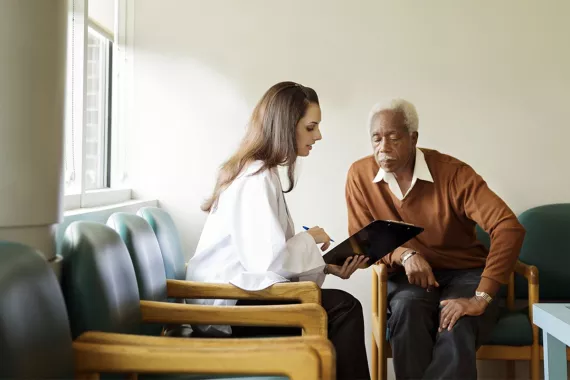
345 329
419 350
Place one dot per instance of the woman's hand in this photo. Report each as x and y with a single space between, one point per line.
320 236
350 265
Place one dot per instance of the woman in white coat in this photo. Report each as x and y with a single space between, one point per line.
249 238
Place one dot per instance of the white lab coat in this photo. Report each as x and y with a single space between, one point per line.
249 240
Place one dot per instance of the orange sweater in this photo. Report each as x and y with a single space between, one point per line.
448 209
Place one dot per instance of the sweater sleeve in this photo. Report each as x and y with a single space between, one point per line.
479 203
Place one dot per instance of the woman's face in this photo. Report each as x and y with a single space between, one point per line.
307 130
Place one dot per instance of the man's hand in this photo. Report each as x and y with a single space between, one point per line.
351 264
419 272
456 308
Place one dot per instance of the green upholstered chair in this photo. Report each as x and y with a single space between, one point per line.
35 338
171 249
148 263
168 239
147 258
546 247
512 338
35 341
102 295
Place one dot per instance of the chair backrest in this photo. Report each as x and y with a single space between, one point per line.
145 254
98 280
547 246
35 341
168 240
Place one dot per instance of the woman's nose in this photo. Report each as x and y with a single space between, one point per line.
318 136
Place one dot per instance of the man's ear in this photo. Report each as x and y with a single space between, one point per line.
414 136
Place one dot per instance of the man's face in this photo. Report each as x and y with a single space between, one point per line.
393 145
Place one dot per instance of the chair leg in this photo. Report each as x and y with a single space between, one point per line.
535 362
374 361
383 362
511 369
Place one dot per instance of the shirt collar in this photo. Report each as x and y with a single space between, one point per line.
421 170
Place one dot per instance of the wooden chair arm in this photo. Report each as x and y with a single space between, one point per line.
311 317
305 291
530 273
379 299
321 345
381 271
299 362
379 289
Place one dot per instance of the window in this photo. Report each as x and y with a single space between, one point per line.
91 138
97 111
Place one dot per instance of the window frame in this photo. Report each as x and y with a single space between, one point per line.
106 97
116 190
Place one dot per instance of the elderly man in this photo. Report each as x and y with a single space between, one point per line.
441 292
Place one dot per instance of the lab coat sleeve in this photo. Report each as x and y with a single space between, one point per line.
259 238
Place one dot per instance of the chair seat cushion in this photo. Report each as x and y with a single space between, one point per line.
512 329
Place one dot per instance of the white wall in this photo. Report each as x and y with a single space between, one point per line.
103 13
491 81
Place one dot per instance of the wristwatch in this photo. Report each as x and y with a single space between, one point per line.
485 296
407 255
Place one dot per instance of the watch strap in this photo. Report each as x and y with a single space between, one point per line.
485 296
407 255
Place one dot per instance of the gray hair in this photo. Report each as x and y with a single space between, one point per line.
396 105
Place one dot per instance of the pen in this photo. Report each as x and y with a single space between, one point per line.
306 228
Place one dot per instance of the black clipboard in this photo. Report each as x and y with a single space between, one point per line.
375 241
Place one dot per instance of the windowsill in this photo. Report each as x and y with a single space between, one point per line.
99 214
96 198
112 207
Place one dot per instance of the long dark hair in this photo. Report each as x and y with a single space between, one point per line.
270 136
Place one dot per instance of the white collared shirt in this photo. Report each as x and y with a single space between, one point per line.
249 240
421 171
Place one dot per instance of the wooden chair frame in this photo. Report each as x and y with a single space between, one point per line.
304 291
308 315
381 349
296 360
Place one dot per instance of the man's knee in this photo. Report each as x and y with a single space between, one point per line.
409 311
405 298
414 302
463 336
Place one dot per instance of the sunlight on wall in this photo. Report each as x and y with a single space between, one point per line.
190 120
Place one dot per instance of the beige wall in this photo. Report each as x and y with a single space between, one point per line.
32 108
491 81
